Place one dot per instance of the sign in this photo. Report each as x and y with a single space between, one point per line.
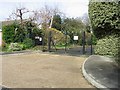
40 39
75 38
0 30
37 37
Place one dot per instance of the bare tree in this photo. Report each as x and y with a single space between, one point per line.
45 15
19 12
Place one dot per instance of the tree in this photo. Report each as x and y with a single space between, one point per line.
9 32
86 21
19 14
22 31
44 16
72 27
56 22
105 18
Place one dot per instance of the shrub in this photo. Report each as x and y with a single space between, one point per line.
107 46
88 40
3 44
28 43
15 47
104 17
57 36
118 54
9 33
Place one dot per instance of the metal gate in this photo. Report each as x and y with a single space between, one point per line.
72 46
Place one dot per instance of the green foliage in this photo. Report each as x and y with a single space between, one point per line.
88 40
15 47
117 56
56 22
105 18
20 34
9 33
5 48
28 43
72 27
107 46
57 36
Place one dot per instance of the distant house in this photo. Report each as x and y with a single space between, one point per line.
4 23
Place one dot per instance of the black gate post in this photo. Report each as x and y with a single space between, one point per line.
49 41
43 43
84 42
66 41
91 43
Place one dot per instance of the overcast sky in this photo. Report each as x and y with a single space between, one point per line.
72 8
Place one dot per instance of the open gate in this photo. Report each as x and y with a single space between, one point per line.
72 46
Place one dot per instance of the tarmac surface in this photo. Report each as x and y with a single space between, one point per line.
102 72
75 51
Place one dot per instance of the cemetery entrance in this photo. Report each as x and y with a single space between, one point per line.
76 44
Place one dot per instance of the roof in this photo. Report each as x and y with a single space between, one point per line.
4 23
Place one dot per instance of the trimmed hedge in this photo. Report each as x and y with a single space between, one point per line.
107 46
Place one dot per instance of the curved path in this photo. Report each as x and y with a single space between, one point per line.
102 72
43 71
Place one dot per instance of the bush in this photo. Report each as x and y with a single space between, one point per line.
15 47
104 17
118 54
88 40
9 33
3 44
107 46
57 36
28 43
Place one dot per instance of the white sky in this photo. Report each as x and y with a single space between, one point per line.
72 8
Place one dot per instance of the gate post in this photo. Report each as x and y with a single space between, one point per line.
91 43
84 42
43 42
66 41
49 41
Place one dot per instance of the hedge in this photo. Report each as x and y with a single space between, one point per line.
108 46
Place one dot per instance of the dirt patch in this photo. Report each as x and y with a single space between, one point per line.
43 71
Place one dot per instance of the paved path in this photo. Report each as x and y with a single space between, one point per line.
75 51
102 72
43 71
